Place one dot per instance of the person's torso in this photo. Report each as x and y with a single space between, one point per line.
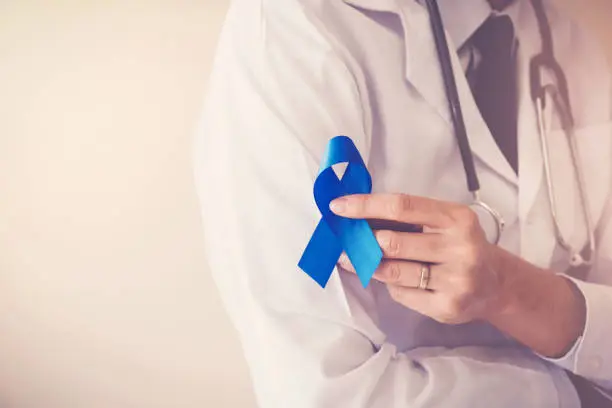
413 149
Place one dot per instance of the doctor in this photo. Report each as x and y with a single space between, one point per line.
452 319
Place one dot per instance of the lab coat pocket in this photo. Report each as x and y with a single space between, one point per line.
594 152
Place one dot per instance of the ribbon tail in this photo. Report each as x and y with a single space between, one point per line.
361 247
321 254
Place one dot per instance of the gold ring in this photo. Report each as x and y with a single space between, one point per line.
425 277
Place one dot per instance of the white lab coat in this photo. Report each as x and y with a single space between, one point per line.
291 74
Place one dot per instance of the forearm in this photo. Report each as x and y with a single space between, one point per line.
538 308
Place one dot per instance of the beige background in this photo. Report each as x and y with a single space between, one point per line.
104 296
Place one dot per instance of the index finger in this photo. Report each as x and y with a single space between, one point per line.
396 207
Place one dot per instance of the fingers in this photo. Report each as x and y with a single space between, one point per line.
397 207
439 306
422 247
415 299
398 273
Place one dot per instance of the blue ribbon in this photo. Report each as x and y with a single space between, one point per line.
335 234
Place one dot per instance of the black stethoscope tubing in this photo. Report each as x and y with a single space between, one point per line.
543 66
545 60
452 94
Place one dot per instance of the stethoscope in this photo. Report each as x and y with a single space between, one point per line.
557 90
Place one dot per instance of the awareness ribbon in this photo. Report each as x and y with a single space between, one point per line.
335 234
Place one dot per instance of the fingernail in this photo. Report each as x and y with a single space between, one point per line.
338 205
343 260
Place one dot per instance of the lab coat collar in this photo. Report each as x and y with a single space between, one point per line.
461 18
422 71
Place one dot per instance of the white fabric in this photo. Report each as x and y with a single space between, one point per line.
291 74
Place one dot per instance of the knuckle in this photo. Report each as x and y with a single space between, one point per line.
397 293
393 272
389 242
465 217
399 205
393 292
437 245
407 203
396 206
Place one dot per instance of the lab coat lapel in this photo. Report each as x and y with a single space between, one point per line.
530 149
423 72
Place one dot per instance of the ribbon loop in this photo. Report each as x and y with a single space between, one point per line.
335 234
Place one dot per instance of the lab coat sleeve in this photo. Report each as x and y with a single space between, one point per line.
591 356
277 93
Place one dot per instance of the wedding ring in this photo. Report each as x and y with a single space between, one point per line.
425 277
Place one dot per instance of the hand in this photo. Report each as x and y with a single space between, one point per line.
465 282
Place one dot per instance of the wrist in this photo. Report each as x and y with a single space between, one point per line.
539 308
510 291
